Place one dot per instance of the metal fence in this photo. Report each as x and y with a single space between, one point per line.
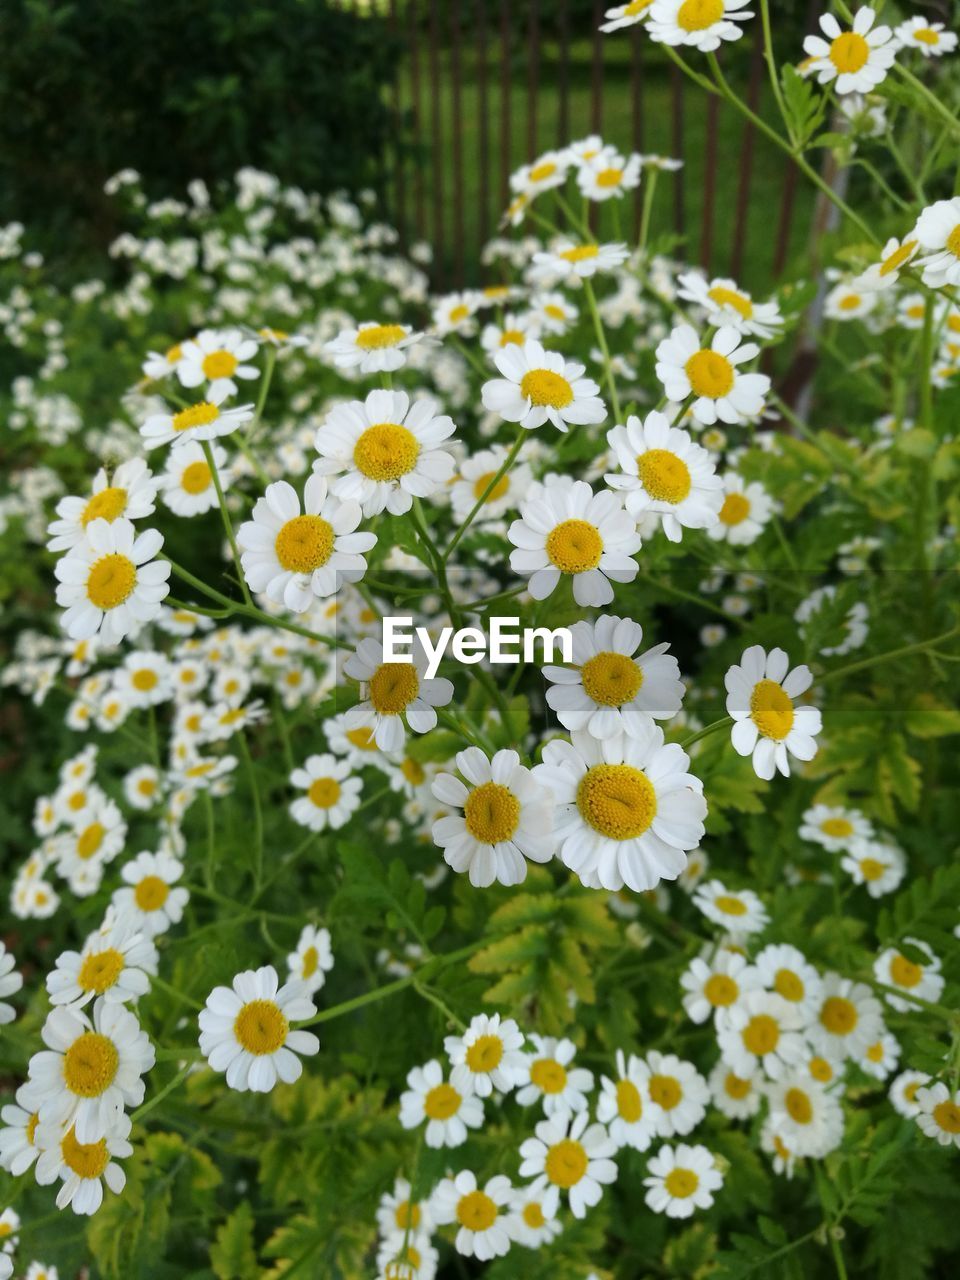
479 93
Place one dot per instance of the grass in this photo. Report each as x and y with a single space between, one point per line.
425 205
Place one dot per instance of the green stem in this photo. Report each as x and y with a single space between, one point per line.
646 212
889 656
604 348
508 462
722 723
225 517
158 1097
257 810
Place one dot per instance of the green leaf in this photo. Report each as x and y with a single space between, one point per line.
232 1255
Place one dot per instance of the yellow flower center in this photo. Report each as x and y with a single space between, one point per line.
498 490
304 543
219 364
485 1053
548 1075
871 869
947 1116
413 771
875 1052
926 35
407 1216
111 581
665 1091
546 389
617 800
781 1148
540 172
771 710
77 800
196 415
151 893
953 241
386 451
196 478
491 813
720 990
31 1130
362 739
608 178
174 353
635 7
145 679
476 1211
664 476
574 546
681 1183
90 840
90 1064
512 338
85 1159
735 509
378 336
309 961
580 252
393 686
837 827
838 1015
798 1106
729 905
821 1070
898 257
442 1102
105 505
730 298
553 311
849 53
566 1163
904 972
533 1215
611 679
260 1027
736 1087
629 1102
788 985
850 302
761 1035
710 374
324 792
100 971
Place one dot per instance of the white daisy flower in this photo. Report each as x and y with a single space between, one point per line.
393 694
476 475
372 347
846 301
204 420
883 275
116 963
384 451
738 910
745 512
533 1214
549 1076
111 584
626 15
85 851
662 471
507 817
727 304
879 866
313 958
929 38
786 971
544 173
160 364
574 1155
627 810
10 982
356 745
784 1160
807 1117
553 312
91 1069
572 261
455 314
624 1104
295 558
923 980
142 787
487 1056
129 492
761 1031
713 987
608 175
902 1093
939 1114
245 1030
407 1257
881 1057
856 60
399 1214
83 1167
938 231
217 357
610 688
681 1180
144 679
767 725
678 1092
512 331
848 1020
449 1113
18 1146
835 828
150 895
736 1097
541 386
568 529
481 1215
332 795
711 376
188 487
